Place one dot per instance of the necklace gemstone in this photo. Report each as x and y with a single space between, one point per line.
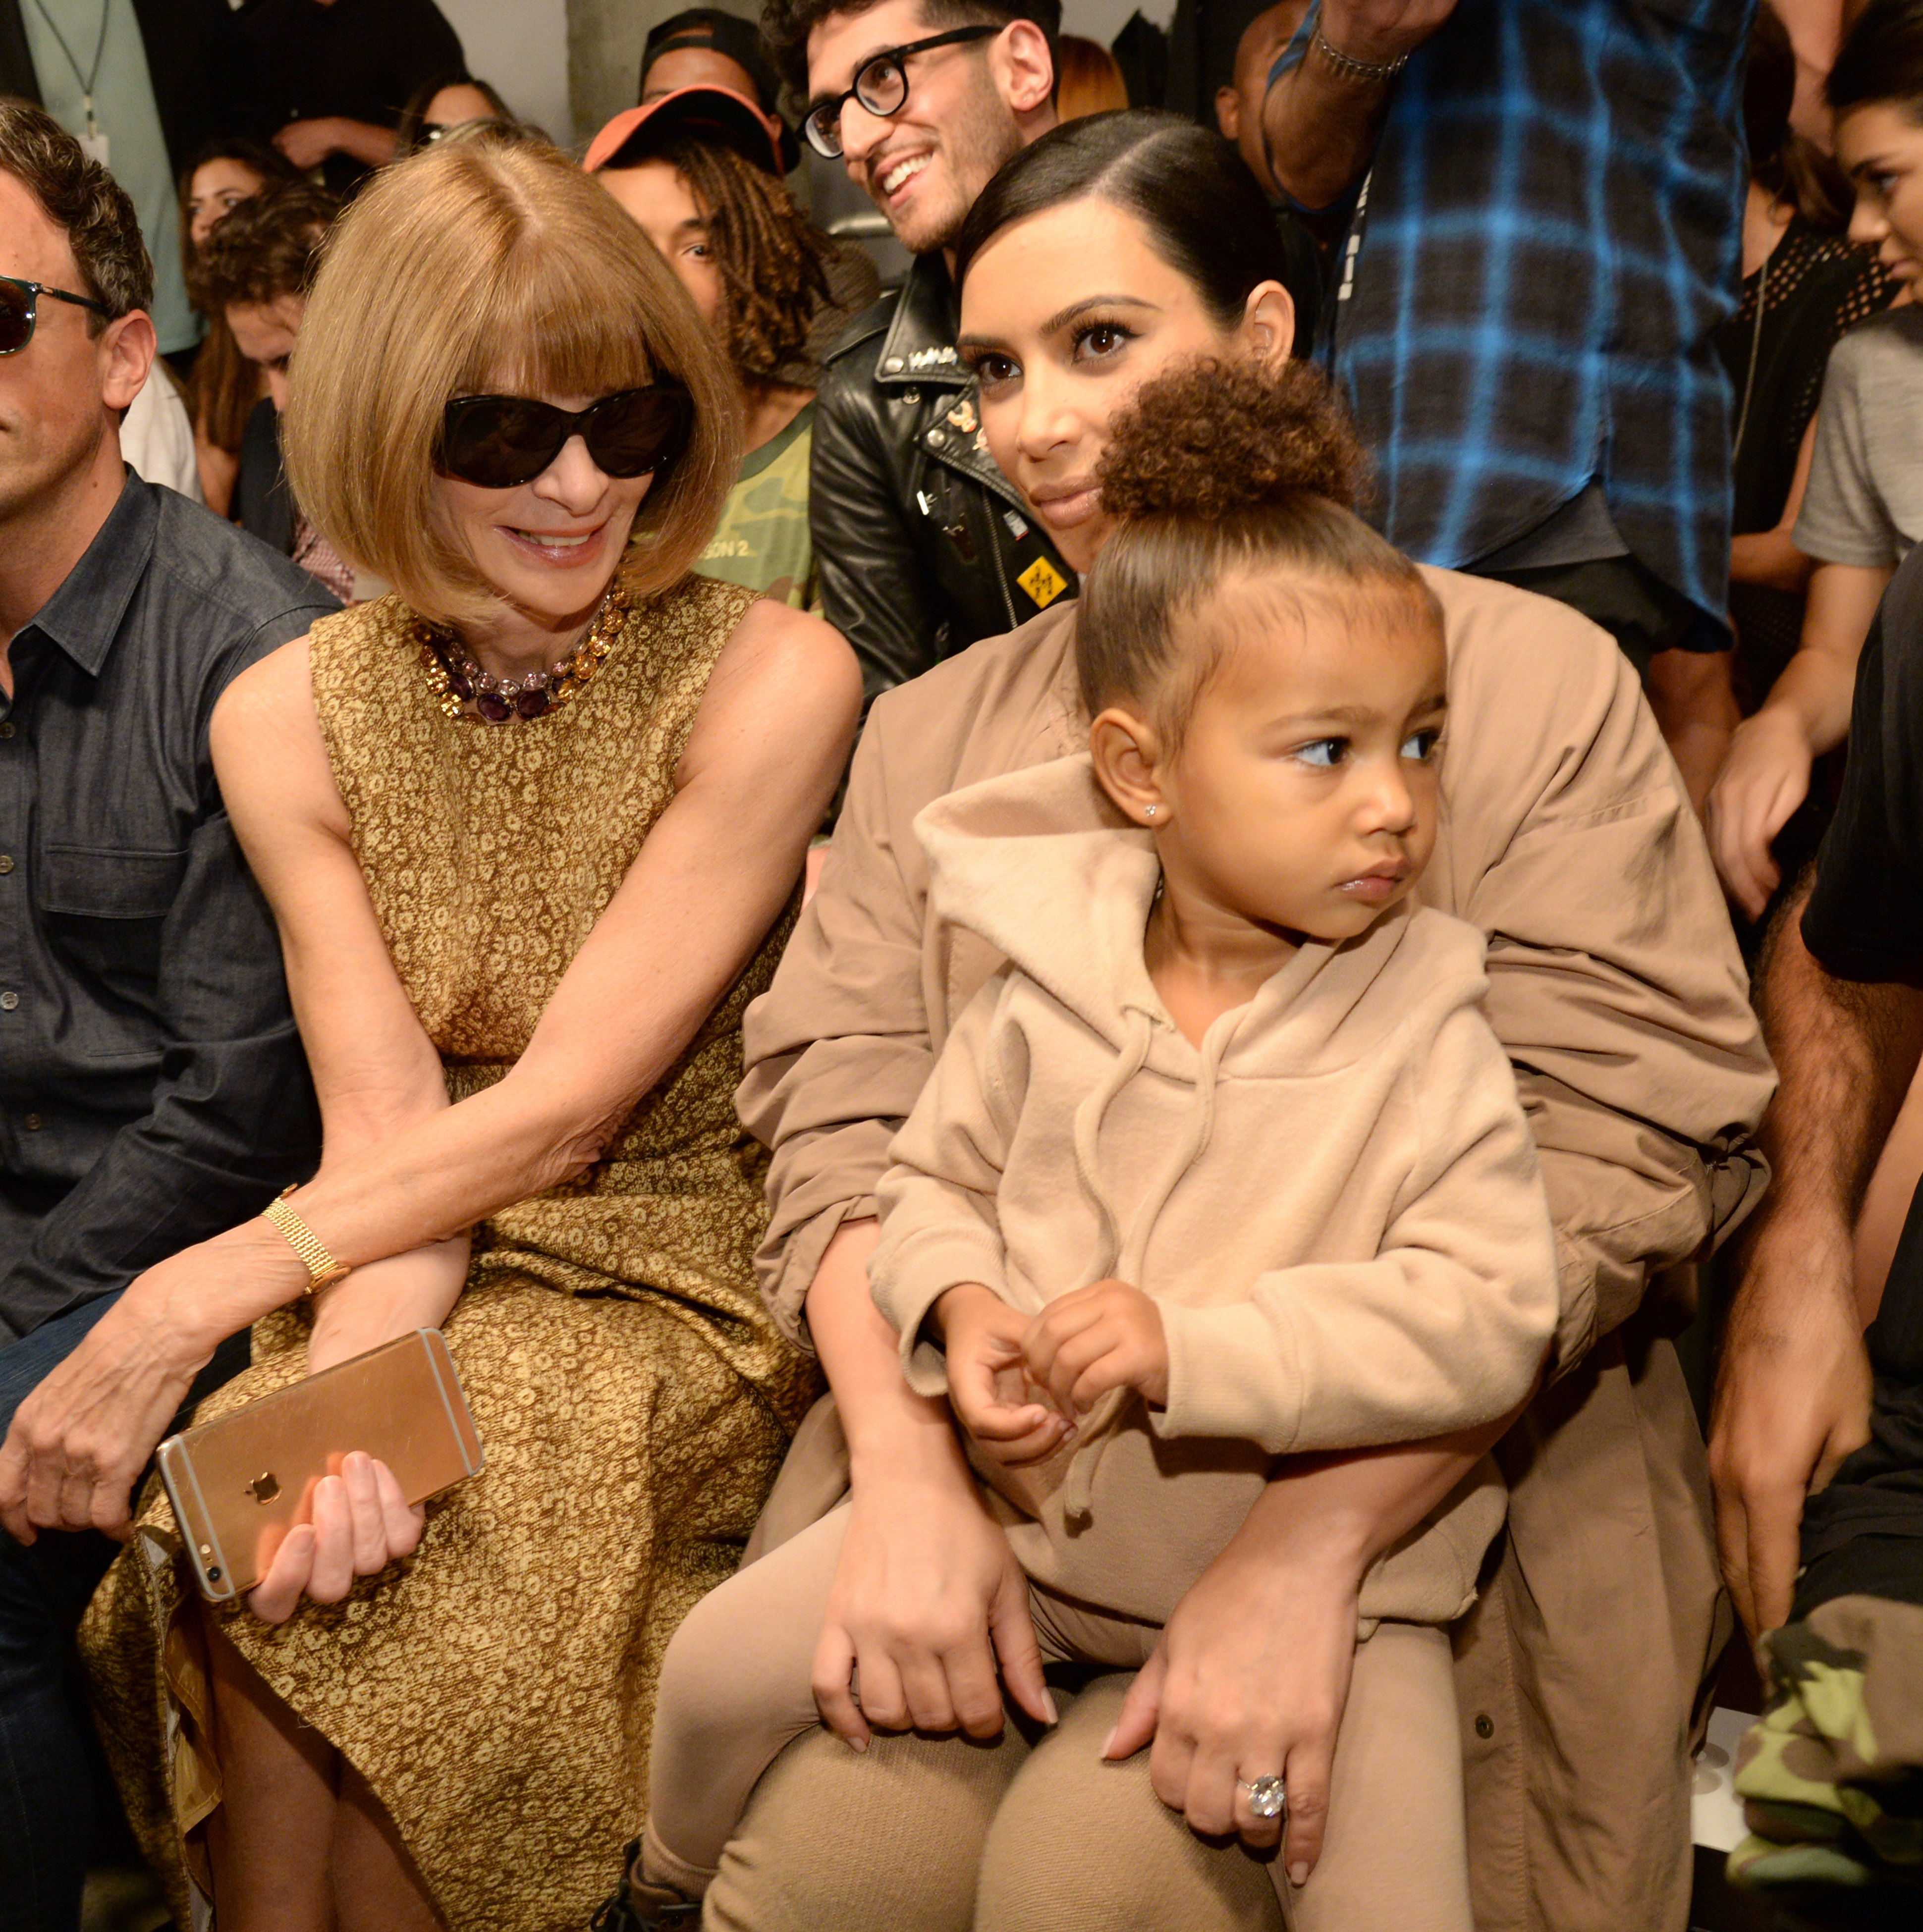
460 682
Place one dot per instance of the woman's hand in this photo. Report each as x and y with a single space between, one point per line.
362 1523
1107 1336
1763 780
927 1598
80 1441
990 1394
1248 1681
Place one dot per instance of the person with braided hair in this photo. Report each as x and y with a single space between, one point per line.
1210 953
699 170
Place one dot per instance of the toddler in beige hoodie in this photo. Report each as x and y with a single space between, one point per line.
1224 1164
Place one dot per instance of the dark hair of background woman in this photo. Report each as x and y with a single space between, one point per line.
1200 207
1784 165
224 386
1881 58
414 115
266 160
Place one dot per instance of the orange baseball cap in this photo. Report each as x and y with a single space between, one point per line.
716 114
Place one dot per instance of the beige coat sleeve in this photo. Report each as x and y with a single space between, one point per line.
939 1223
1445 1328
838 1049
1614 982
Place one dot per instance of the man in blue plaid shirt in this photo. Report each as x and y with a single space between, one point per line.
1540 204
1547 198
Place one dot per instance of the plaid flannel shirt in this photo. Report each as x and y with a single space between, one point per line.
1549 235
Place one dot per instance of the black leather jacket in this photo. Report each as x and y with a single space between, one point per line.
922 545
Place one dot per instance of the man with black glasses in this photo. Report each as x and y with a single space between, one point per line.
152 1088
923 546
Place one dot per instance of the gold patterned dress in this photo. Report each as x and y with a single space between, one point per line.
633 1397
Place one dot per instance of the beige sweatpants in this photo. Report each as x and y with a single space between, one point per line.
924 1834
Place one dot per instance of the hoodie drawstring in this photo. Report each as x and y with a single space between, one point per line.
1112 1256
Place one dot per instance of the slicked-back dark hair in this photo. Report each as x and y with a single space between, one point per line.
1881 59
787 25
1192 193
79 197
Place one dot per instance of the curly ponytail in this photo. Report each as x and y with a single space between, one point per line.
1217 467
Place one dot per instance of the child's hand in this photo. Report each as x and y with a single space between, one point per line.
1109 1336
987 1388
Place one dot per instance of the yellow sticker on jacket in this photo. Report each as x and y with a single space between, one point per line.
1043 582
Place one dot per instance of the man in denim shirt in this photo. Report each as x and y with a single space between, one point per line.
152 1088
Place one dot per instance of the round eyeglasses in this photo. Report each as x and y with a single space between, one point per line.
881 86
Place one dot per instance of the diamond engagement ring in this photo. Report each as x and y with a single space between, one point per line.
1267 1796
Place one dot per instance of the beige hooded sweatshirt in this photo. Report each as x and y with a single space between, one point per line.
1392 1277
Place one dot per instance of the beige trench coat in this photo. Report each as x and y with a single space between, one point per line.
1615 984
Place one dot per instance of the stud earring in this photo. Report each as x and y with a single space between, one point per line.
1149 810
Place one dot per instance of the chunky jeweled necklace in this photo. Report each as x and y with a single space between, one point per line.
466 690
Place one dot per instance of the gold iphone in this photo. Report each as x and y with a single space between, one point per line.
239 1484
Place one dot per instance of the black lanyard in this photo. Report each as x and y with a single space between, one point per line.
87 80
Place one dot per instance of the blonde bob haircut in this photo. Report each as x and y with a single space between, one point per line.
482 268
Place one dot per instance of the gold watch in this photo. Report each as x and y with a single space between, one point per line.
322 1269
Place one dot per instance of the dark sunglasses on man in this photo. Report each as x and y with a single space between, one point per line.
19 310
498 442
881 85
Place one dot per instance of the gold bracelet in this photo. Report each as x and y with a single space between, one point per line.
322 1269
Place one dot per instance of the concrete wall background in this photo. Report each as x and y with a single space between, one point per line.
521 47
604 37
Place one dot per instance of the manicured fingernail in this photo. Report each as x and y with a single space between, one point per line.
1048 1705
1108 1741
857 1743
1299 1872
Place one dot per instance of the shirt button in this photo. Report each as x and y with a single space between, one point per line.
32 1124
7 729
6 861
8 1001
1484 1725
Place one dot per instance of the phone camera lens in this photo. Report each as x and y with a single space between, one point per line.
214 1574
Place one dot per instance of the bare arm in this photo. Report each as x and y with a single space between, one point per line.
1770 557
1793 1393
1766 775
1321 120
760 766
928 1596
308 143
412 1171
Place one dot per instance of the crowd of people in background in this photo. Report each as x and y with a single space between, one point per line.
1130 953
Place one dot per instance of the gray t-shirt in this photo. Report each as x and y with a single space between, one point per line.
1864 503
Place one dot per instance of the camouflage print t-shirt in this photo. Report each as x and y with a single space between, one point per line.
761 542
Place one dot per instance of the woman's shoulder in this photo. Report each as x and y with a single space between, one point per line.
1520 656
987 709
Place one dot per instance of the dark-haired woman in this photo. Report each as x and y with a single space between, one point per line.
1108 251
225 384
444 102
1204 927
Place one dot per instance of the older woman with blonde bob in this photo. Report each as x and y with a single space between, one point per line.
531 827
